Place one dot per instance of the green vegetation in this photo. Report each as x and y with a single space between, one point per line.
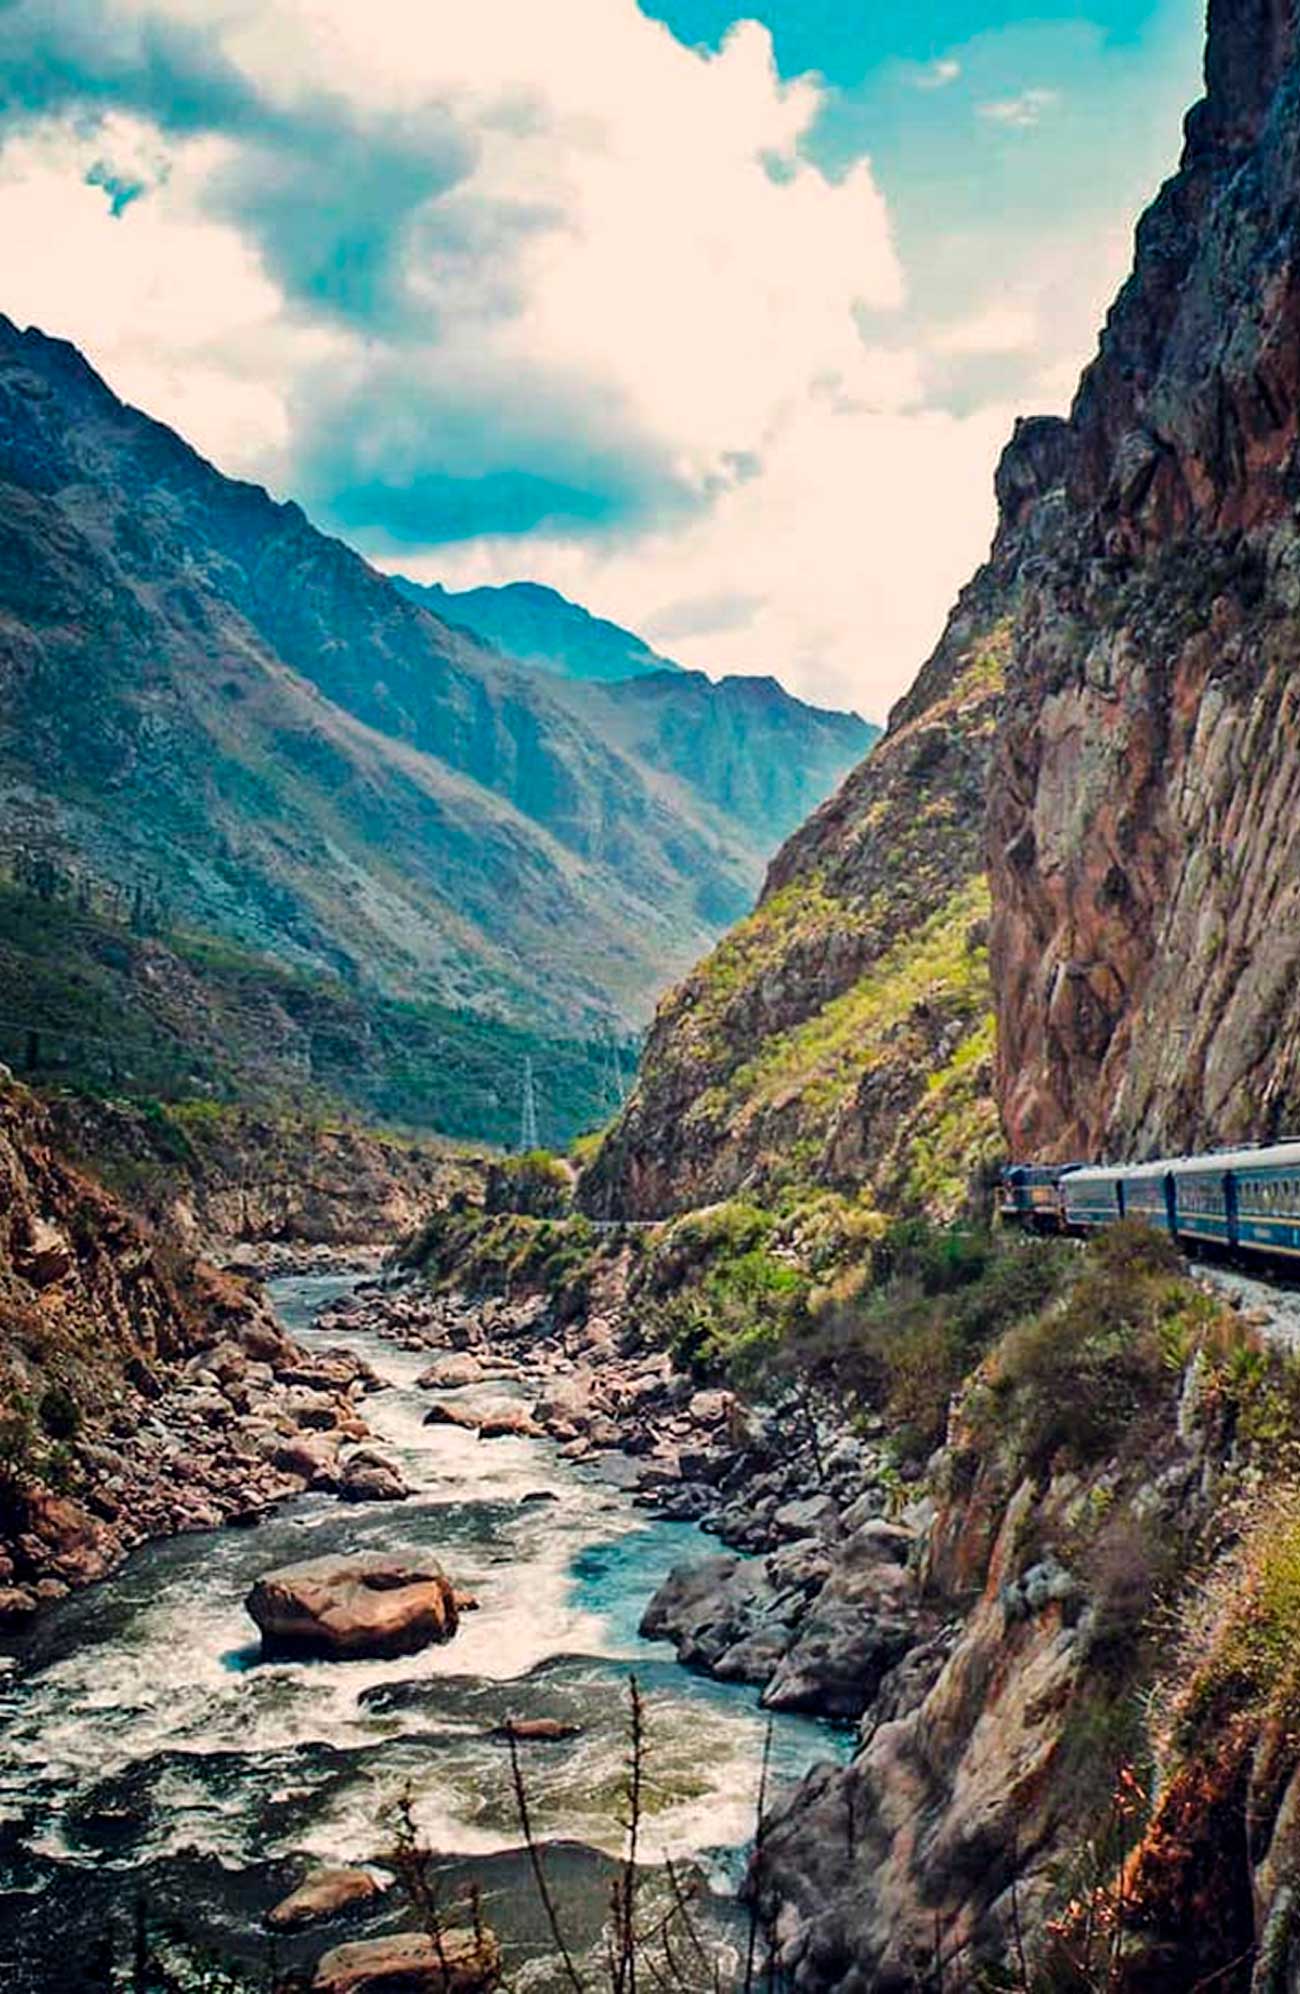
89 1003
915 1033
802 911
723 1291
1073 1381
536 1184
823 1059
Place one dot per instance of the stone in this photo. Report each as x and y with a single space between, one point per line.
810 1516
718 1605
565 1402
369 1477
504 1422
45 1256
324 1894
444 1413
306 1407
313 1456
411 1963
536 1730
864 1509
449 1373
345 1607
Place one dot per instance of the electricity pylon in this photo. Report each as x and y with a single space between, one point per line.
528 1137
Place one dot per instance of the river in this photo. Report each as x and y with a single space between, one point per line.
149 1758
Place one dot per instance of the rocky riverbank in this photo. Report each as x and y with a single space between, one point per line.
218 1439
143 1391
815 1598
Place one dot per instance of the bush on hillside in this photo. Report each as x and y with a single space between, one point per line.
1074 1380
901 1338
536 1185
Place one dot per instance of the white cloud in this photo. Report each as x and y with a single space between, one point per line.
853 544
937 75
1022 112
624 258
173 307
1002 327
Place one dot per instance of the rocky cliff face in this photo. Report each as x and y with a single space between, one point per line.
1141 608
141 1391
211 1178
842 1035
1052 1790
1145 839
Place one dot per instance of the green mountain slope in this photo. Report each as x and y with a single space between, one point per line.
745 746
201 694
742 746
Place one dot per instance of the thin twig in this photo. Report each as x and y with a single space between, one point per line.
535 1859
756 1866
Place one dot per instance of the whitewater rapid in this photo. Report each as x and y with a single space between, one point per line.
140 1728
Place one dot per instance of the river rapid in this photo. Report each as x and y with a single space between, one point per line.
152 1765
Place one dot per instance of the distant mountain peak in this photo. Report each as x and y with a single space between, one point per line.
534 623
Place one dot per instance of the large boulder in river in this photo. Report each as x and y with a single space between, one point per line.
324 1894
345 1607
722 1615
506 1421
411 1963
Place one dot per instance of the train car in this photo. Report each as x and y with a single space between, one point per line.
1204 1201
1149 1194
1244 1201
1263 1191
1031 1195
1091 1197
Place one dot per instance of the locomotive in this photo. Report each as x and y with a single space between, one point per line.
1244 1201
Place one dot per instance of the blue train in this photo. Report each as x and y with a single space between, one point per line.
1241 1200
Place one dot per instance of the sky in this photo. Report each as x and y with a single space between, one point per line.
714 317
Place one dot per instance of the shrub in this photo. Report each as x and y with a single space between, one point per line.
904 1340
59 1413
1074 1379
17 1445
537 1185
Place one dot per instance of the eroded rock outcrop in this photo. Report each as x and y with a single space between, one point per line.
141 1391
1145 834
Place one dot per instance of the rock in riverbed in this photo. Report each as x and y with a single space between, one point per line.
345 1607
371 1477
324 1894
411 1963
459 1367
535 1730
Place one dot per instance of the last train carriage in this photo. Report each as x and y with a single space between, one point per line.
1244 1200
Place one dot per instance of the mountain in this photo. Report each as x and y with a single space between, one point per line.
542 628
742 745
217 722
202 692
1145 834
1094 780
842 1035
746 746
